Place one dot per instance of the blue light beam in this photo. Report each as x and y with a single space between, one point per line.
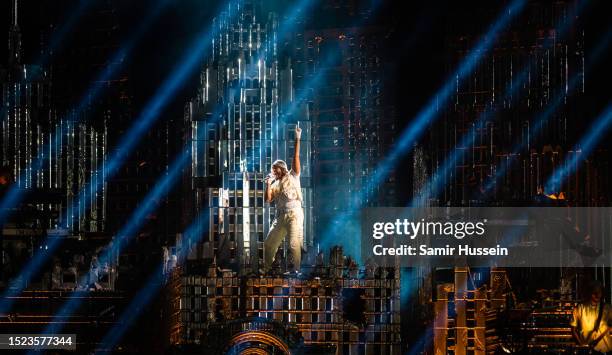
424 117
545 115
15 195
192 235
153 109
127 232
582 150
58 35
438 180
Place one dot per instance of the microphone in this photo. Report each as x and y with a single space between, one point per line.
270 177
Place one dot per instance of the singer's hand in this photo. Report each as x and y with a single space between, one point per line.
298 133
269 179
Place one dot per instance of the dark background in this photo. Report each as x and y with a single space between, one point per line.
415 48
415 54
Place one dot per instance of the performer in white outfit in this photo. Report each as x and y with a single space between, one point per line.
283 187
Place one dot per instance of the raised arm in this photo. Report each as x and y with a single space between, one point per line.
295 165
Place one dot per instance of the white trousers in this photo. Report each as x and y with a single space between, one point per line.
287 223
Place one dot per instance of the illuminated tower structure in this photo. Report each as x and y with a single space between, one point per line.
241 120
71 148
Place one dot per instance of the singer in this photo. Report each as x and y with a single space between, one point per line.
283 187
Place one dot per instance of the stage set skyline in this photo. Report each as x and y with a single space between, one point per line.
148 149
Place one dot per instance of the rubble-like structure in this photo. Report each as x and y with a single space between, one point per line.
476 317
333 308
